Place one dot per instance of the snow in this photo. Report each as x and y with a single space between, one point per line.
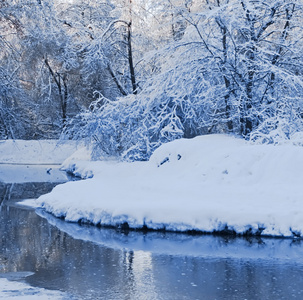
209 183
16 290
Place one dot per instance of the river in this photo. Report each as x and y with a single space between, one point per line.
87 262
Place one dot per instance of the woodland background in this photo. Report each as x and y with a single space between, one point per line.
130 75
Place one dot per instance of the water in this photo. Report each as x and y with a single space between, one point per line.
94 263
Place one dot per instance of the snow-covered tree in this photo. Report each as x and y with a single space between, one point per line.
12 121
154 71
234 67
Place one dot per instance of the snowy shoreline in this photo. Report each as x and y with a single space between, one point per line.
172 243
208 184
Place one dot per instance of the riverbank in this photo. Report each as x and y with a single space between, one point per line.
209 184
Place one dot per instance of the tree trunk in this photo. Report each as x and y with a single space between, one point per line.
61 82
130 59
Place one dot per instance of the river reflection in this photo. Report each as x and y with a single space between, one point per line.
94 263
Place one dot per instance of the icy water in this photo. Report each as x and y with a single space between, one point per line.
87 262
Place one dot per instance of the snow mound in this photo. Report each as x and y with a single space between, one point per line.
212 183
76 163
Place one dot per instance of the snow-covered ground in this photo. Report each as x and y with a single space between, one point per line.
209 183
15 290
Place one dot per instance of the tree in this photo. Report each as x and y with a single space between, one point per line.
45 53
12 121
236 68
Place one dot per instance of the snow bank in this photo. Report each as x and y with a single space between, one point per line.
209 183
20 291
